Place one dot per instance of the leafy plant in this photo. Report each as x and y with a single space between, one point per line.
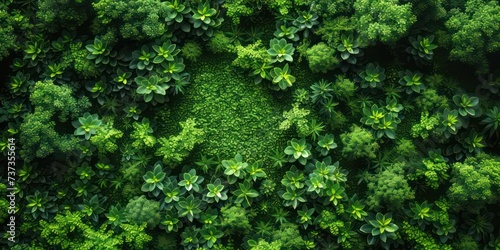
87 125
171 222
349 49
116 215
293 196
234 168
176 11
189 207
492 121
321 91
216 191
422 47
298 150
325 144
166 52
421 213
154 180
293 179
282 77
172 191
306 21
171 69
99 52
142 59
93 207
175 148
204 20
451 122
41 204
244 193
142 134
85 172
190 181
467 106
211 235
412 82
372 76
153 86
280 50
381 227
290 32
256 171
355 208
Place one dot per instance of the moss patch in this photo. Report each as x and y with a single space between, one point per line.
237 115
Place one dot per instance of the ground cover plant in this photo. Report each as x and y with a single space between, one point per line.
248 124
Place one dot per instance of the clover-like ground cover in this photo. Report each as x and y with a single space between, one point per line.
237 115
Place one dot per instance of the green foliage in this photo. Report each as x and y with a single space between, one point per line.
8 38
325 143
137 19
381 227
484 188
359 143
467 106
298 150
176 148
189 207
473 32
191 51
264 245
422 239
321 58
433 169
372 76
386 21
305 21
100 53
216 191
492 120
422 47
280 50
284 31
69 232
38 135
234 168
141 210
235 115
389 187
235 219
296 116
450 122
289 235
106 137
412 82
282 77
152 87
190 181
40 204
154 180
349 49
244 193
142 134
87 125
204 20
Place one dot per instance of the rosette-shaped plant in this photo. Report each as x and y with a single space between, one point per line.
280 50
422 47
148 87
87 125
372 76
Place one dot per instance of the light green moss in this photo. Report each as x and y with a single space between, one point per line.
236 115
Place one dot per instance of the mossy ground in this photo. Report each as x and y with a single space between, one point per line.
237 115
